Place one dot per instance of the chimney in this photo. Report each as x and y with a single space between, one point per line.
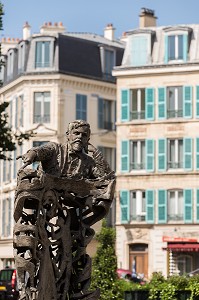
49 28
109 32
26 31
147 18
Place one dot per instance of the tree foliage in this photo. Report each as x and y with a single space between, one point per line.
104 265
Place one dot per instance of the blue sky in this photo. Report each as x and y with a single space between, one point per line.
93 15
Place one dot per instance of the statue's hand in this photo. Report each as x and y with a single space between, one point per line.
28 158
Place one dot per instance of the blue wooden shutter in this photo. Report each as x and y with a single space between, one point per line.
100 113
150 155
139 53
187 149
124 205
125 105
188 206
187 102
197 153
150 206
162 154
197 101
166 49
125 156
149 103
162 206
162 106
197 205
185 47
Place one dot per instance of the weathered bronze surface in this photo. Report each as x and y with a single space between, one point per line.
55 207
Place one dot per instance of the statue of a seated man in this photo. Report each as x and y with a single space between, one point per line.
55 208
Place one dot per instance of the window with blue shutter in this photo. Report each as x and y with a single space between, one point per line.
149 92
125 156
187 161
197 101
166 49
176 47
124 205
150 155
81 107
162 106
150 206
188 206
125 109
197 153
100 113
197 205
162 155
162 206
187 102
139 50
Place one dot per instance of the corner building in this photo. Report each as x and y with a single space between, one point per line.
157 206
51 78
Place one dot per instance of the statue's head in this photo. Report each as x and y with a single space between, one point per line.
78 135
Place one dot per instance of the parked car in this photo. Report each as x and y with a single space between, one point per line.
127 275
8 284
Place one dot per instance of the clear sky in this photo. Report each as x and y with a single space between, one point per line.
93 15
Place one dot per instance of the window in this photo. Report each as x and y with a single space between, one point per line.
137 155
10 64
184 264
106 114
21 57
137 104
2 70
174 102
41 107
81 107
6 217
7 167
110 155
37 144
137 206
109 62
175 206
42 54
175 153
175 47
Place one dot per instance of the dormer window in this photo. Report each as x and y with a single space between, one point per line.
10 64
21 57
108 61
42 54
177 44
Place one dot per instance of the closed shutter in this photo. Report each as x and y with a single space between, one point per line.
150 155
139 47
197 153
162 155
197 101
197 205
187 102
185 47
149 110
125 156
162 107
187 147
162 206
166 49
124 205
188 206
125 103
150 206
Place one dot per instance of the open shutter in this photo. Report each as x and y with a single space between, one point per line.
185 47
149 110
100 112
162 206
162 155
187 102
125 156
188 206
197 101
150 206
150 155
125 105
197 153
124 205
162 107
166 49
187 147
197 205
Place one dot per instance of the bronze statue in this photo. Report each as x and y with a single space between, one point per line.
55 207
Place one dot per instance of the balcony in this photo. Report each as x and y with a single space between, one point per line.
41 119
137 115
174 114
175 165
175 217
136 166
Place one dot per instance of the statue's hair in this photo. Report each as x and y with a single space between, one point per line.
77 124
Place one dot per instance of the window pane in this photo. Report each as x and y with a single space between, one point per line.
37 107
180 46
171 47
46 54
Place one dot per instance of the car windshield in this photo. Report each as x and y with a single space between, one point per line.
6 275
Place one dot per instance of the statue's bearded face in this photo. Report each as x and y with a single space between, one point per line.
78 138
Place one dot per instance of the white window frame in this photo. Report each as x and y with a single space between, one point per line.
178 196
140 210
140 163
175 163
138 114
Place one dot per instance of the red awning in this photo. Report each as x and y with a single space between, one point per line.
182 247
